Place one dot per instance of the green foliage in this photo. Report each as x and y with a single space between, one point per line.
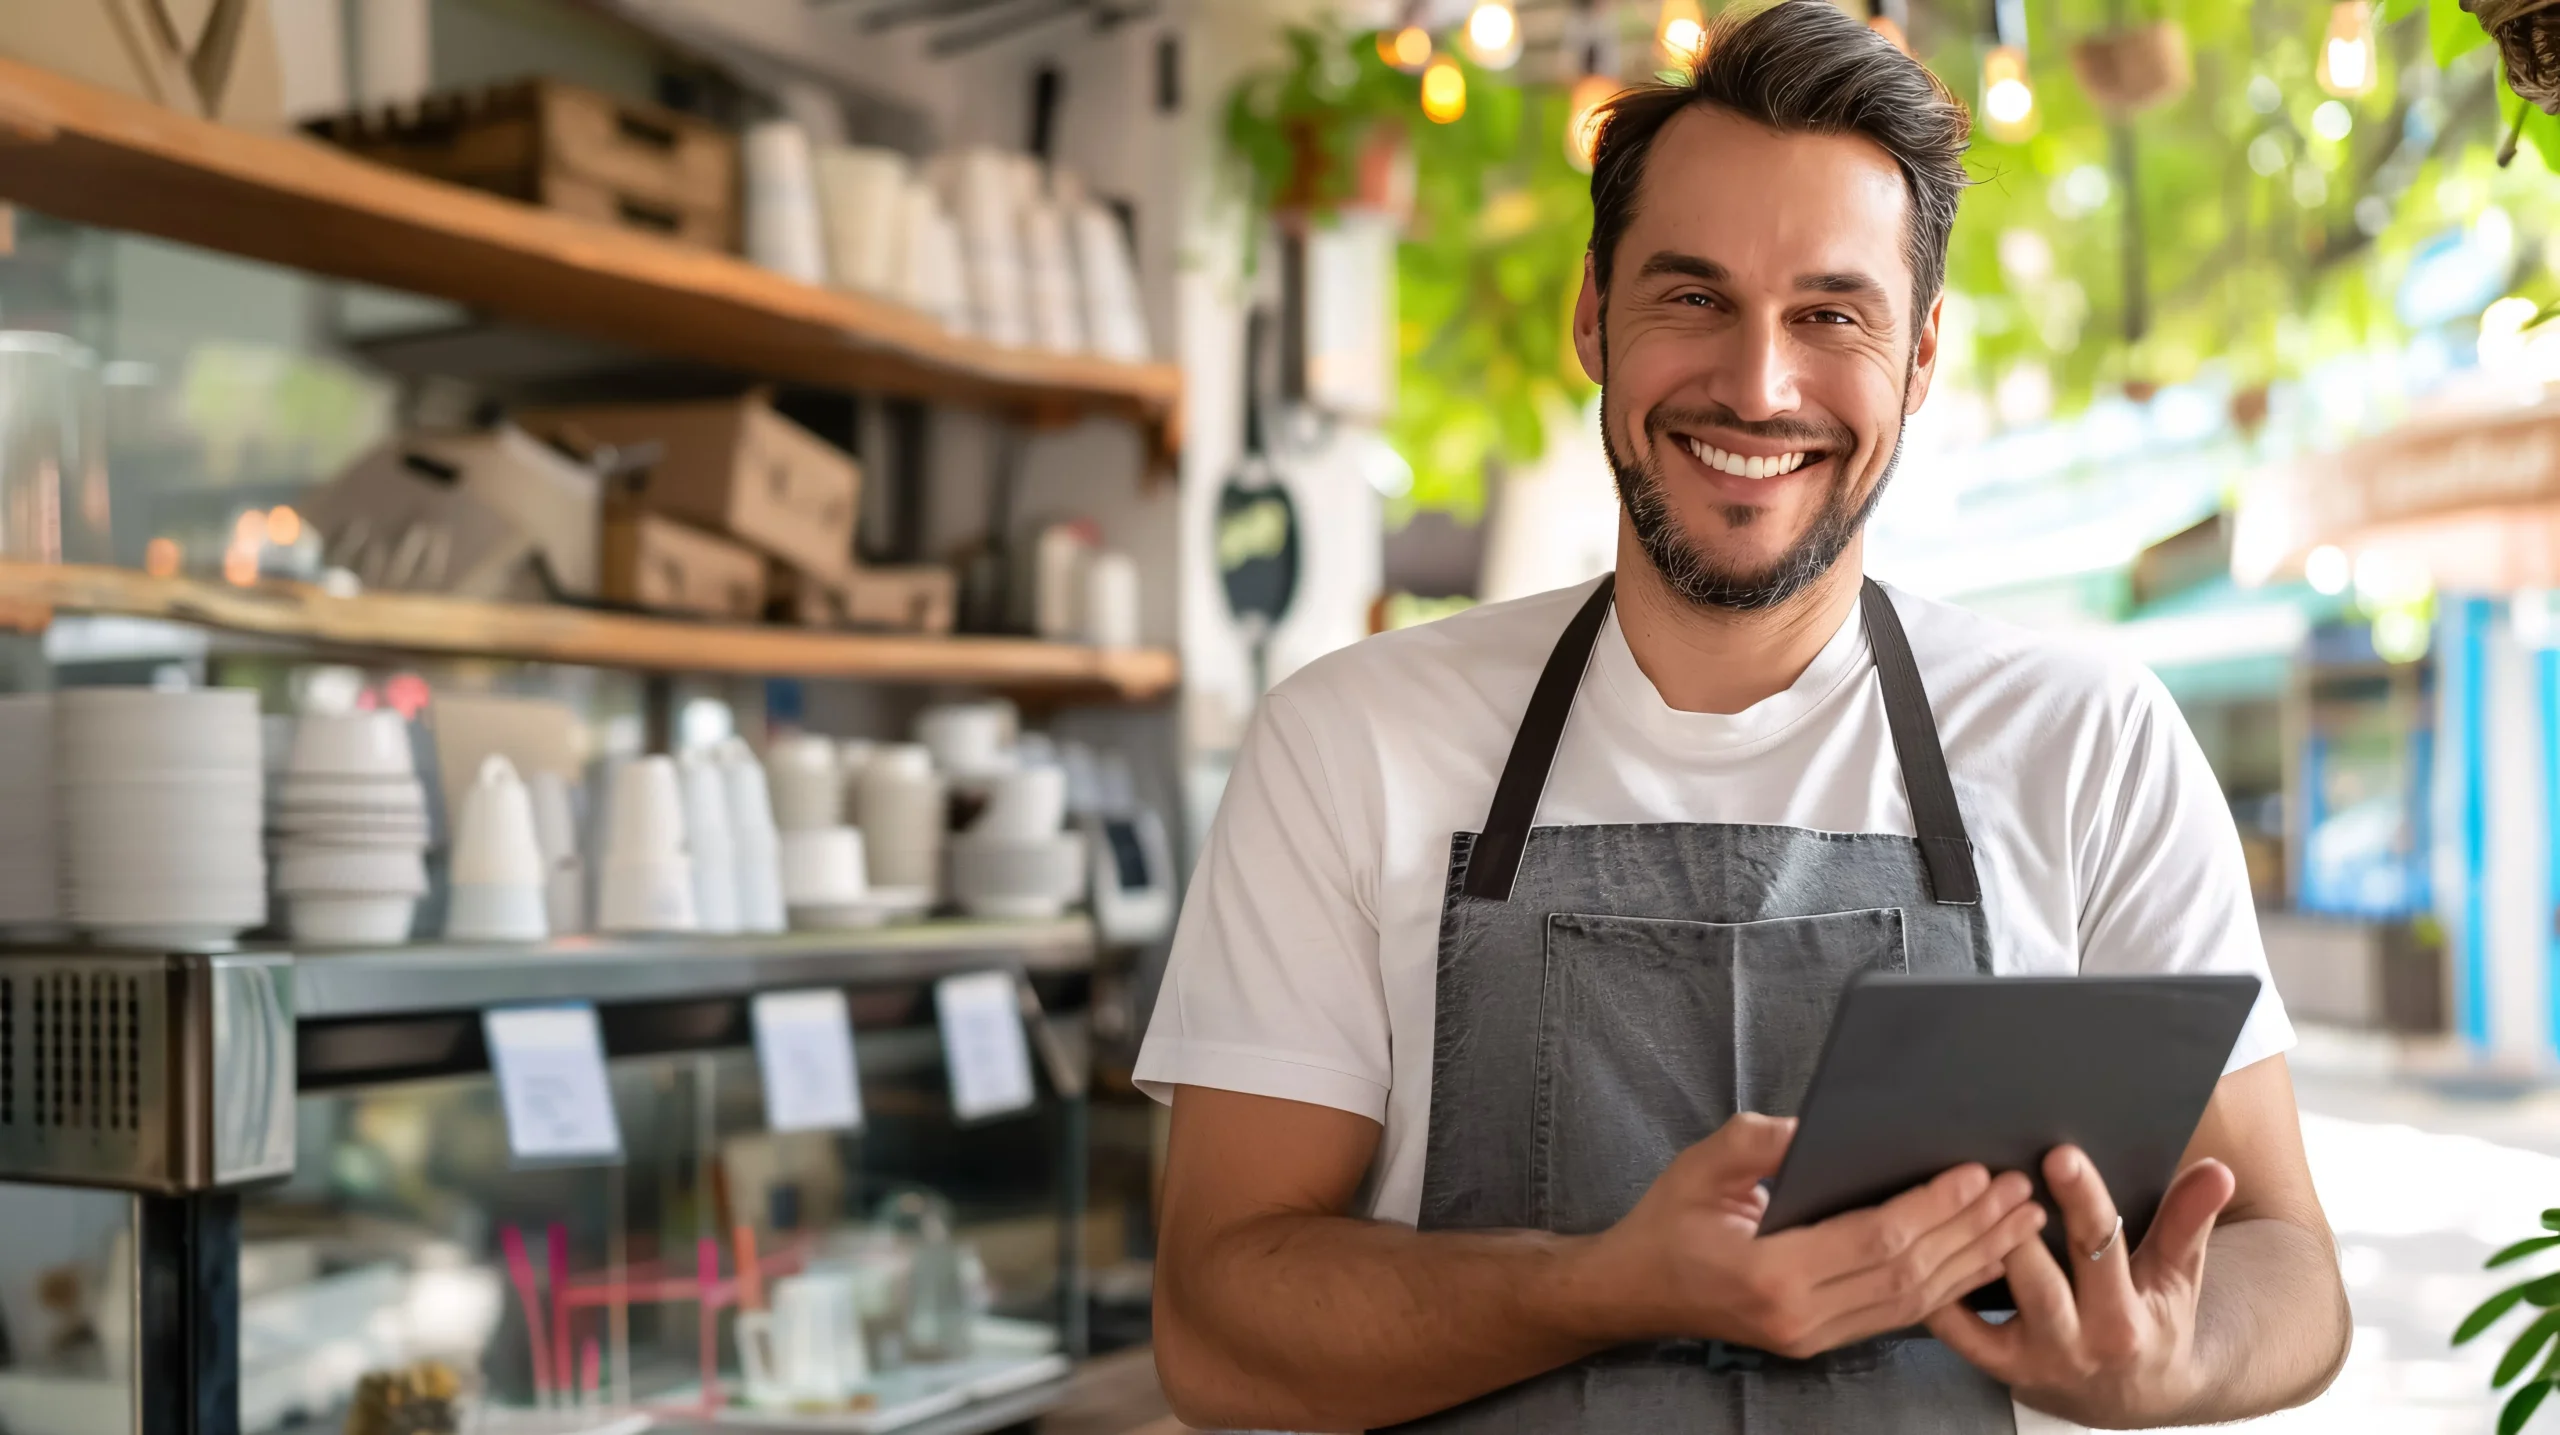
1489 265
2539 1334
2263 247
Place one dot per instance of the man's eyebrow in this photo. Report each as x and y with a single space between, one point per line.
1687 265
1841 283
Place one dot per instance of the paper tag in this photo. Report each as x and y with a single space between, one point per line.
983 1046
549 1062
804 1047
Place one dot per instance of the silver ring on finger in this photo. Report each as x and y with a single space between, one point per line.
2110 1243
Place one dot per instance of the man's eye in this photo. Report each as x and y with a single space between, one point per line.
1695 301
1830 316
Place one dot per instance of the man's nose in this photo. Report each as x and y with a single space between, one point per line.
1755 376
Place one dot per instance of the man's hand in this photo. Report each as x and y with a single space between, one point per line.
1689 1260
2113 1343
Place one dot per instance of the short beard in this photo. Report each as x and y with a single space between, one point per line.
1688 570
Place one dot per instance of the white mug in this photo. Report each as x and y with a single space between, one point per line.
1024 805
808 1349
967 738
800 776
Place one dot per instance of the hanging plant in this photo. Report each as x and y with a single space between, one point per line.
1491 256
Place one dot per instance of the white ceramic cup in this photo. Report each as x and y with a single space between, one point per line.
356 744
823 867
800 778
497 912
808 1349
902 813
646 825
345 921
496 842
755 844
1111 601
966 737
555 826
646 896
1024 805
708 842
1018 880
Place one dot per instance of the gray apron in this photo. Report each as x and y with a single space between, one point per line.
1609 995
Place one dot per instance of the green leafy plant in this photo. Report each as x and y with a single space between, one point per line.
1490 260
2542 1293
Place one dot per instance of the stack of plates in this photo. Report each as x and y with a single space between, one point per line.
351 820
30 875
160 803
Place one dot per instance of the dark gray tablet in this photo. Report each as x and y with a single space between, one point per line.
1923 1073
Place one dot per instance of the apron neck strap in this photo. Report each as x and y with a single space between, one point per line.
1494 860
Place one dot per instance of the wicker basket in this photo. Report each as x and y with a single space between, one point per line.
2528 34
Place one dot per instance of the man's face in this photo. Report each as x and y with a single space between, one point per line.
1757 353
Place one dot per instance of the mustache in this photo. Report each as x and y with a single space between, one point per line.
1668 418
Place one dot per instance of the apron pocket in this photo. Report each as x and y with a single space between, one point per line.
1651 1033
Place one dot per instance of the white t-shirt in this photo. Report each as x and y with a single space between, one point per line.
1303 967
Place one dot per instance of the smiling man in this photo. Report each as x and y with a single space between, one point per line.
1517 937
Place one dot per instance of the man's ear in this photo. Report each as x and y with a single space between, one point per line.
1586 324
1924 356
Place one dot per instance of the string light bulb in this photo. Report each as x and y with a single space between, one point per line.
1583 120
2008 101
1492 35
1444 91
1408 49
1681 32
2348 56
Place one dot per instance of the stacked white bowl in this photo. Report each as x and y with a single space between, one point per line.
500 880
160 801
646 881
352 830
30 870
1017 860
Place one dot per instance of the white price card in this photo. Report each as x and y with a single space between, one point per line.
549 1062
804 1048
983 1046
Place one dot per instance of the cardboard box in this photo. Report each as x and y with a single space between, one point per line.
733 466
660 564
901 600
214 59
565 147
481 502
905 600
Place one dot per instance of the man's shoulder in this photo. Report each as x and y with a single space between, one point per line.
2043 685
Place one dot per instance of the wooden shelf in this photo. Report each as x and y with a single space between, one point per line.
102 158
30 594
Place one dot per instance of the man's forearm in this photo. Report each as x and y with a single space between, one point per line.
1326 1323
2272 1323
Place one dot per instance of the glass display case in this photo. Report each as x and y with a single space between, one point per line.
318 1196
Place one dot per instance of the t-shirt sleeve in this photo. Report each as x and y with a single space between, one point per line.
2170 887
1273 987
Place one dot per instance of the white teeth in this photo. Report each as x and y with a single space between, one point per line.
1741 467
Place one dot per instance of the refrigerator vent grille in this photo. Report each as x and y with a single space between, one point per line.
86 1049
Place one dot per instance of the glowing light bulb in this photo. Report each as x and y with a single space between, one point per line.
1682 32
1444 91
2008 101
2328 570
1492 36
2348 55
1583 120
1408 49
284 526
160 558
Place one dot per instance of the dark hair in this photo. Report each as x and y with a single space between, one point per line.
1800 67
